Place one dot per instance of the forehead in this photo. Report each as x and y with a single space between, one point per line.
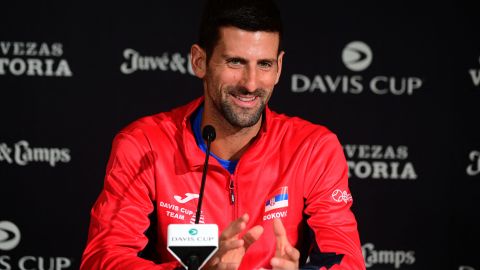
233 40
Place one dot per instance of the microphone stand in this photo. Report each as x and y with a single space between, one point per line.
208 135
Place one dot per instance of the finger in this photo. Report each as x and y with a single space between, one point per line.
252 235
292 253
227 245
213 261
278 228
283 264
235 227
231 244
228 266
280 237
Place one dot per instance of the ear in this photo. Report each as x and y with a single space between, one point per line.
198 60
279 65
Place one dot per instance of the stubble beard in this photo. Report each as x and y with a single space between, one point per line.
237 116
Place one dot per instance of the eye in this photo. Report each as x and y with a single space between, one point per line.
235 62
265 64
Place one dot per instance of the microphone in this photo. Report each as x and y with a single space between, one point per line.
194 244
208 135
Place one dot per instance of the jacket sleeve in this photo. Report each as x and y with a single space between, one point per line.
119 217
328 202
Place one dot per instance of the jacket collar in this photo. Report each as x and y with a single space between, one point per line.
189 157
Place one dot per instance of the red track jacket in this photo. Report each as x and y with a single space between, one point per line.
293 170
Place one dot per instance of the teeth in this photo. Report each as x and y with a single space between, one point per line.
246 99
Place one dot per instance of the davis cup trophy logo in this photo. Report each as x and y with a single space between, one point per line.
357 56
9 235
193 231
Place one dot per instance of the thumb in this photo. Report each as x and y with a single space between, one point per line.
281 237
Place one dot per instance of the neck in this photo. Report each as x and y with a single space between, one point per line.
231 142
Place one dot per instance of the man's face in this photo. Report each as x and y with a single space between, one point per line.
241 73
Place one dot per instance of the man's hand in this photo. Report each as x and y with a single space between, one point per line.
231 248
286 256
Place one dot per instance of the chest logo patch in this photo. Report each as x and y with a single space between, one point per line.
188 197
279 199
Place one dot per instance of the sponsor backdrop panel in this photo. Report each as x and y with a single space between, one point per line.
465 186
71 76
377 80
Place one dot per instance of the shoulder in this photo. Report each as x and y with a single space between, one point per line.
161 124
298 139
298 129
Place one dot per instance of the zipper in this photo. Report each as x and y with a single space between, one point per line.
231 187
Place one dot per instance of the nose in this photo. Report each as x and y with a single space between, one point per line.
249 80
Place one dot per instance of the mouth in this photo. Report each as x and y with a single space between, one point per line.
246 101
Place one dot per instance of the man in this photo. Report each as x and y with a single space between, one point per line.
271 177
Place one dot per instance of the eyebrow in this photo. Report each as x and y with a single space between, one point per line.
226 56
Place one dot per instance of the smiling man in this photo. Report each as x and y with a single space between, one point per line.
238 77
277 187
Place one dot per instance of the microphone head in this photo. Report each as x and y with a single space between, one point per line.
208 133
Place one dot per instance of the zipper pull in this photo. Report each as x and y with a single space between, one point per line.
232 194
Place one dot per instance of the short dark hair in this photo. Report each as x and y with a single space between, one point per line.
249 15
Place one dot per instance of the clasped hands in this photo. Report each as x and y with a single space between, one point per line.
232 248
